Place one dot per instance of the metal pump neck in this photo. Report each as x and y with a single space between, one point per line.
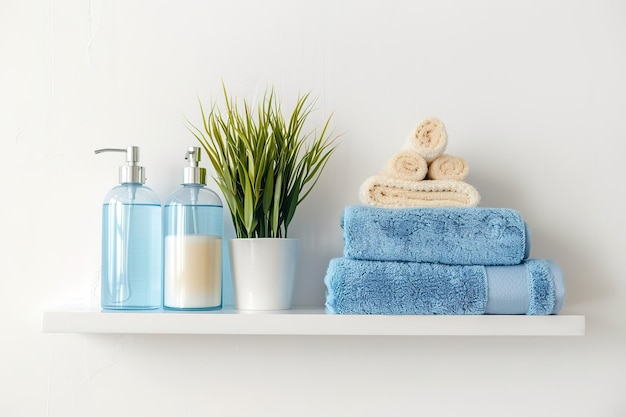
193 174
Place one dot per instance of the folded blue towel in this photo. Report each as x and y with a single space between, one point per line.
448 235
534 287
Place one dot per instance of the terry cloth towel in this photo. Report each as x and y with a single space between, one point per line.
449 235
429 138
406 165
448 167
373 287
382 191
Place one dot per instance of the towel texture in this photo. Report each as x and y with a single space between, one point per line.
448 167
429 138
373 287
541 295
406 165
449 235
383 191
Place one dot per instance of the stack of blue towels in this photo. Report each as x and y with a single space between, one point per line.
445 260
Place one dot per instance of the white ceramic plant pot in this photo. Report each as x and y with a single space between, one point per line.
263 272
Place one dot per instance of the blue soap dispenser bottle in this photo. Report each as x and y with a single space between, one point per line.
193 229
132 248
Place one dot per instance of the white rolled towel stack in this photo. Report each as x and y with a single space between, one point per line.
421 175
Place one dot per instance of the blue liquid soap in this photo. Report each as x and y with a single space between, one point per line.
131 256
132 241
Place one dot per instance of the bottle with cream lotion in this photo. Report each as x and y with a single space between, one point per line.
193 228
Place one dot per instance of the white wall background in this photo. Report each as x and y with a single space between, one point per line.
533 96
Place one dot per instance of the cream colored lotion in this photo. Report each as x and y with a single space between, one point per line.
193 271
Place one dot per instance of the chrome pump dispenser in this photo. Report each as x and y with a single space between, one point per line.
193 230
131 240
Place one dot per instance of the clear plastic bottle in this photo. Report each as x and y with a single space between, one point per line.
132 248
193 228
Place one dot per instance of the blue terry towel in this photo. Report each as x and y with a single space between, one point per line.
448 235
534 287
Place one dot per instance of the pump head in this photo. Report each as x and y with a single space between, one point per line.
131 172
193 174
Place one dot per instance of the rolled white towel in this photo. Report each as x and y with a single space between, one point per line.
381 191
429 138
448 167
407 165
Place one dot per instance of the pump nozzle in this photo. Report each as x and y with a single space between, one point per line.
192 173
131 172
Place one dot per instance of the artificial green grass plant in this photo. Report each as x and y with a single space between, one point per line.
265 164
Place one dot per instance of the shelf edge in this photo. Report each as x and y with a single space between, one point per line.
305 322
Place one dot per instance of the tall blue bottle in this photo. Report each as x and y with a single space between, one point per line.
132 249
193 226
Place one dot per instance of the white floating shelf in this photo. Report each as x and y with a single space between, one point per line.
304 321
